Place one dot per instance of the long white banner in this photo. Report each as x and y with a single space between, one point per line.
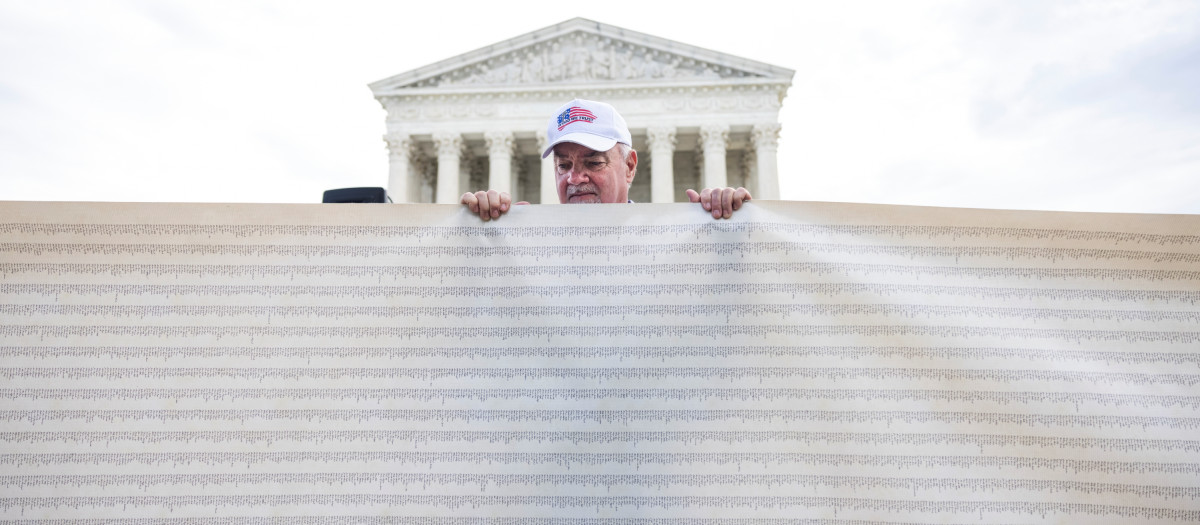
801 363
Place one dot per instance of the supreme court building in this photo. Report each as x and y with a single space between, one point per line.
477 121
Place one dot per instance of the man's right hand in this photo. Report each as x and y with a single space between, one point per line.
489 204
721 202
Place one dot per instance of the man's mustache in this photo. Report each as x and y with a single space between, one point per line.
576 189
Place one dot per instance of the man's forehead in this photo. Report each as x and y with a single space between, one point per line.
579 150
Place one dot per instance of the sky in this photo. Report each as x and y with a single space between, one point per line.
1010 104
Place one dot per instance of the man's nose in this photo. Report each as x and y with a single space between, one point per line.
576 176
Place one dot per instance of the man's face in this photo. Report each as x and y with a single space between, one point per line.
585 175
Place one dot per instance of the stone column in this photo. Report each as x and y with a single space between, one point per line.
500 153
748 165
661 140
401 181
766 143
712 141
449 151
468 166
549 185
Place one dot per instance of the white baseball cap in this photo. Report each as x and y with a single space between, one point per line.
594 125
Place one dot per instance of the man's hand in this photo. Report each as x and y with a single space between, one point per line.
722 202
489 204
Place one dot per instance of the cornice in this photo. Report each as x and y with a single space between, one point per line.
597 91
551 46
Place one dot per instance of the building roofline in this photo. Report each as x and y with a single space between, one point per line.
394 85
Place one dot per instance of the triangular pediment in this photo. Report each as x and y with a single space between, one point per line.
580 51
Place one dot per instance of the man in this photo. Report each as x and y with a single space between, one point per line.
594 162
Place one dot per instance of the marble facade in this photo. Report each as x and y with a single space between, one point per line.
476 121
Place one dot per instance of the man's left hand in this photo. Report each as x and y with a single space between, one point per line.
722 202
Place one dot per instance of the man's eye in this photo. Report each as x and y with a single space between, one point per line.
596 164
564 167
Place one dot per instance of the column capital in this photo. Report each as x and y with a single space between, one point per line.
448 143
714 136
499 142
399 145
661 137
765 136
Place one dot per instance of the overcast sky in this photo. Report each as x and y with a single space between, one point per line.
1082 106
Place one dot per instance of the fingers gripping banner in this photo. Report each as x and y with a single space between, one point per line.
800 363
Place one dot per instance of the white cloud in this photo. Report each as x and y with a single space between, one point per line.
1053 105
1008 105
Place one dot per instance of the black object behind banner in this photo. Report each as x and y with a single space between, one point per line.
356 195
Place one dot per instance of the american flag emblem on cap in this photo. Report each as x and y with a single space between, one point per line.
572 115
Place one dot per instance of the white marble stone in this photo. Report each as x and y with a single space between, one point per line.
766 142
449 148
512 87
713 138
500 154
662 166
400 166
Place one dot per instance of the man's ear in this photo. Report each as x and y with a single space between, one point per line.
631 163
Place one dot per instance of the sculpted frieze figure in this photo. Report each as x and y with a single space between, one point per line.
601 67
531 68
556 64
